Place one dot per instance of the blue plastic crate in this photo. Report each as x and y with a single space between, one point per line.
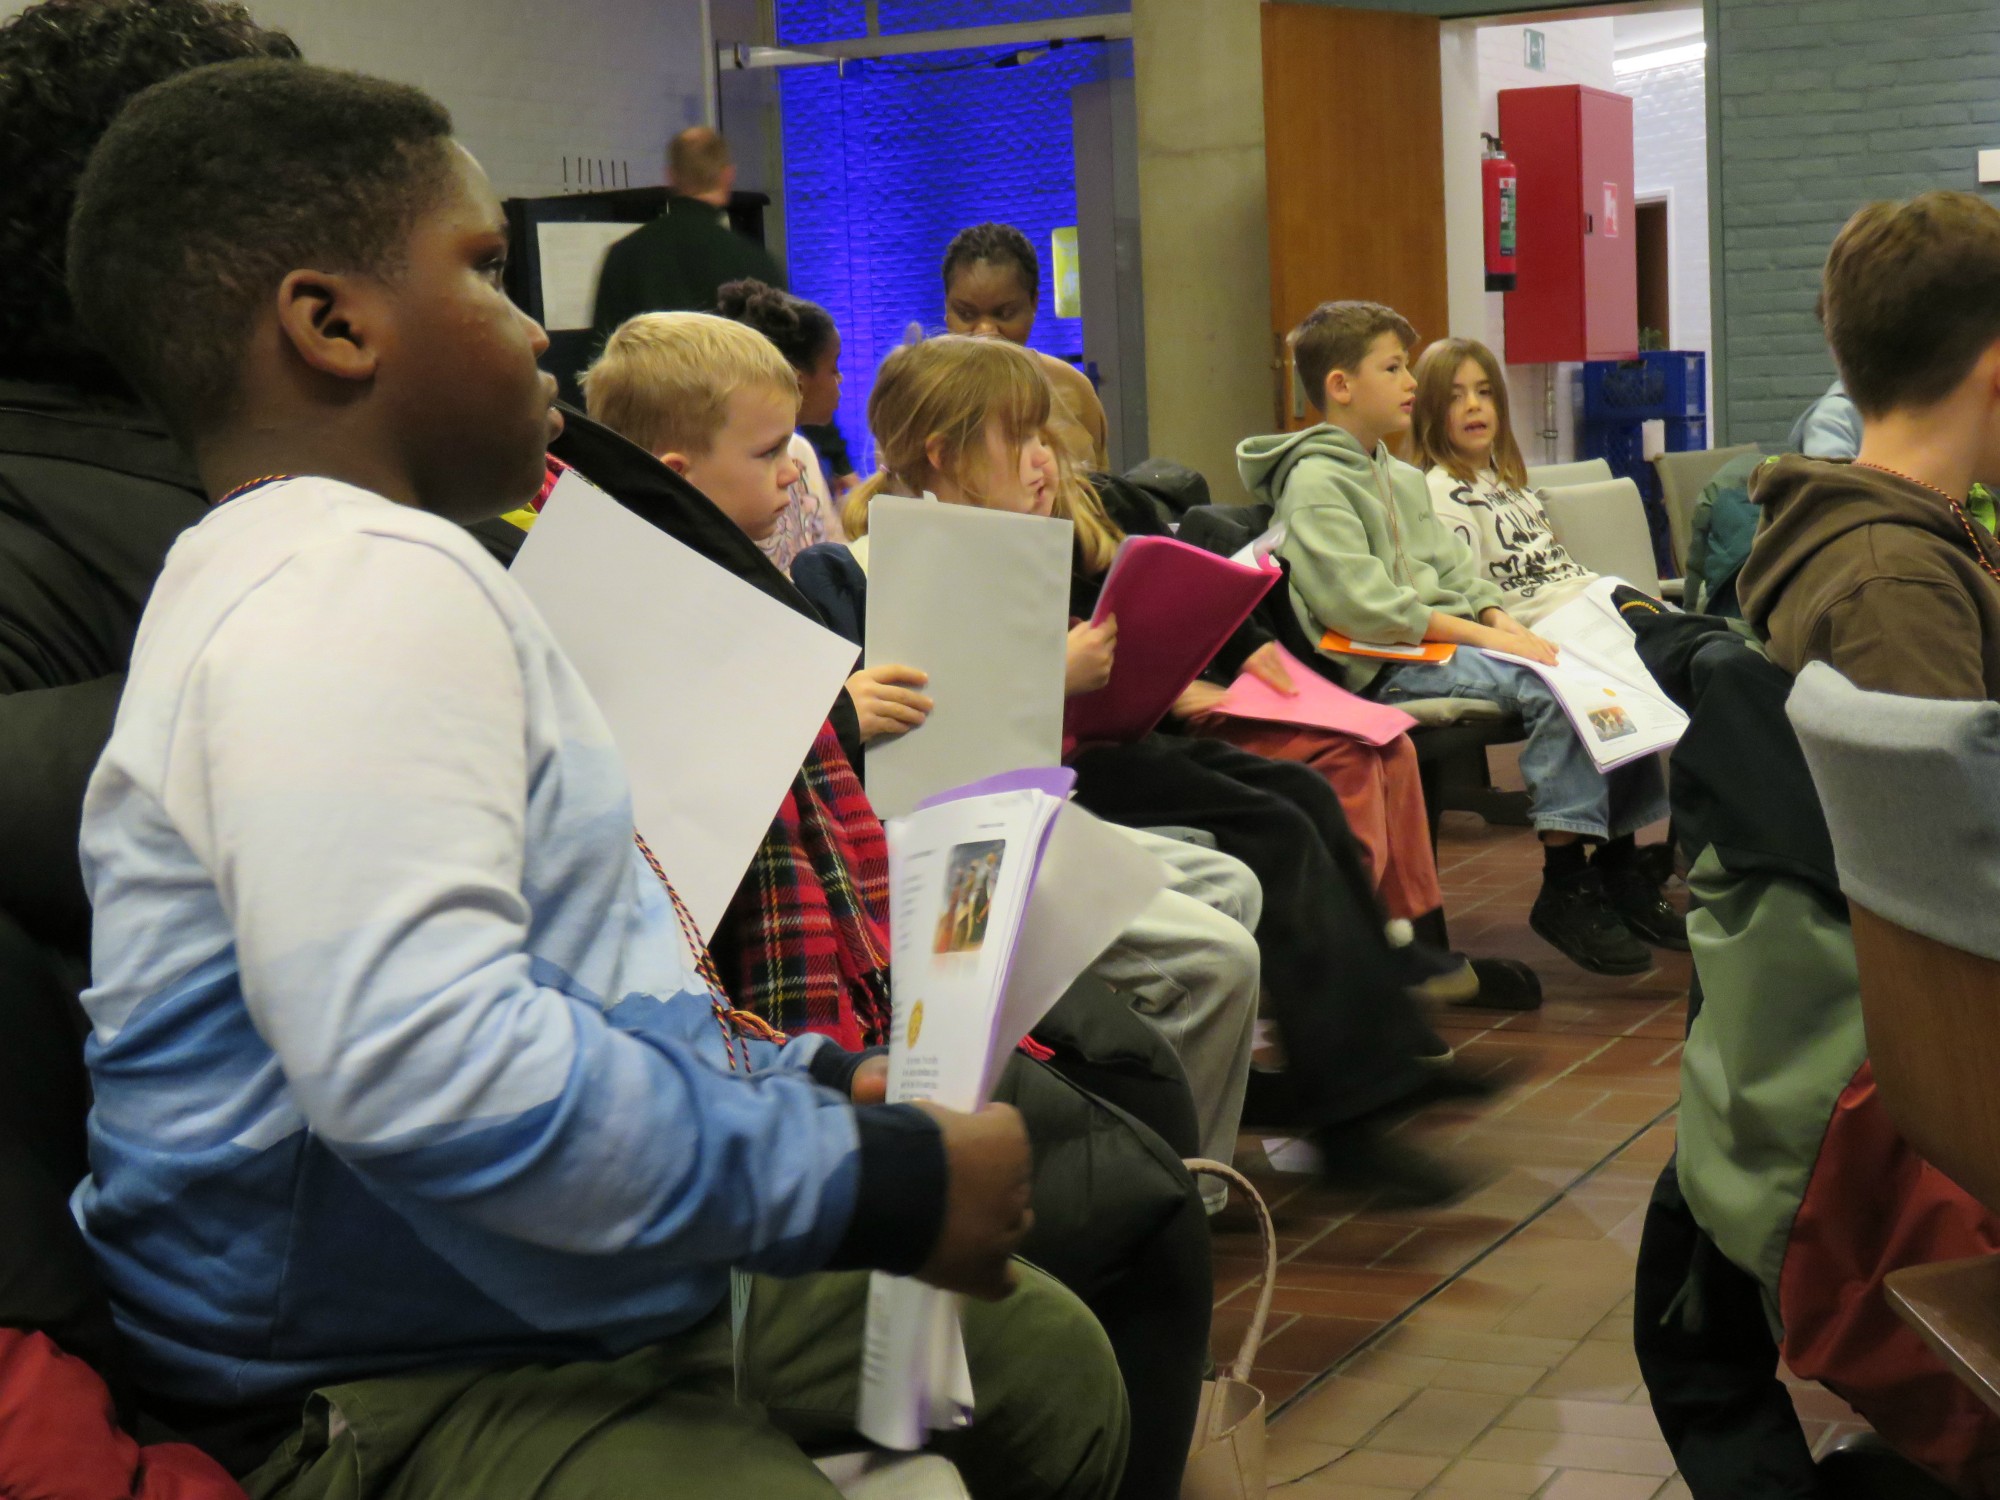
1686 435
1659 384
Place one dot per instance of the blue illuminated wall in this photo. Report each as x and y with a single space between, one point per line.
887 159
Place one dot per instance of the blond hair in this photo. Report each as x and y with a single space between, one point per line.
946 390
664 379
1430 417
1077 501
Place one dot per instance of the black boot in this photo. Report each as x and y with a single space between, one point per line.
1574 915
1634 893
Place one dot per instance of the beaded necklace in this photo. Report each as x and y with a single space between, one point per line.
738 1026
1957 510
247 486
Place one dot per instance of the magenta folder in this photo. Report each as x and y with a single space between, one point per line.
1319 705
1175 605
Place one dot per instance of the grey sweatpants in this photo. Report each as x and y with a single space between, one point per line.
1189 965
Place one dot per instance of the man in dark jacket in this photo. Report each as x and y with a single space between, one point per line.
677 262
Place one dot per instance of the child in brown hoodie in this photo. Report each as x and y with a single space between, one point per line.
1876 566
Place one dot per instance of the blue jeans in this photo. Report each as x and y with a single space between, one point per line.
1566 791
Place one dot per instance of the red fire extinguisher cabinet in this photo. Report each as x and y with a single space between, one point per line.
1576 293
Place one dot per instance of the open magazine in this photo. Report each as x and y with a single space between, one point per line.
1619 712
1000 894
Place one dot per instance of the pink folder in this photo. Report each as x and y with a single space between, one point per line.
1176 605
1319 705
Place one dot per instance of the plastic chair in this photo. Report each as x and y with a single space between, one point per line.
1911 789
1683 476
1604 527
1559 476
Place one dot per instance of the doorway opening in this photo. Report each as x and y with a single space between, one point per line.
1655 57
1651 218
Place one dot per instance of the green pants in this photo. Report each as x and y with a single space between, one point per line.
665 1421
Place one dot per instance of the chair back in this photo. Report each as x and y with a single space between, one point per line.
1683 476
1555 476
1604 527
1911 790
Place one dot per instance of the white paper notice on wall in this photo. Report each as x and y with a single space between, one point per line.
713 690
1989 166
572 255
1609 224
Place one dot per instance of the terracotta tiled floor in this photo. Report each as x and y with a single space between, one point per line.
1485 1350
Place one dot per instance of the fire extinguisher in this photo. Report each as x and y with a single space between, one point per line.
1500 181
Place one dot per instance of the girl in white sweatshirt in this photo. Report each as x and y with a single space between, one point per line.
1464 442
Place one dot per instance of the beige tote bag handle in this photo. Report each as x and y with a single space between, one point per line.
1253 1336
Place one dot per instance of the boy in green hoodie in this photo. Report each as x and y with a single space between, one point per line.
1369 559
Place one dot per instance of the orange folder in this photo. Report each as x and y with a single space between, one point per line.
1430 651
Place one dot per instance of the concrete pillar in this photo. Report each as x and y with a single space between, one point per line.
1473 314
1205 249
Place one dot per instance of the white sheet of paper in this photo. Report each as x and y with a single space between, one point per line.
713 689
910 1324
979 600
1093 883
572 255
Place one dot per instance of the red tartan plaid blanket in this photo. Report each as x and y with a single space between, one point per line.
806 942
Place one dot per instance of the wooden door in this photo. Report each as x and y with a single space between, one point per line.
1354 153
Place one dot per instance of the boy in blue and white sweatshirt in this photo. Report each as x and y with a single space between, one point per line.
414 1111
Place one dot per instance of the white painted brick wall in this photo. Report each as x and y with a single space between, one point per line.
528 83
1670 139
1577 52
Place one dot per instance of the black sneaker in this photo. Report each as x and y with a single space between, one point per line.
1636 897
1505 984
1575 917
1360 1159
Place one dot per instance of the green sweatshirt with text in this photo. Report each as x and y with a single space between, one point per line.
1368 556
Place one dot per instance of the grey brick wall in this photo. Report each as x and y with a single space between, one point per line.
1820 106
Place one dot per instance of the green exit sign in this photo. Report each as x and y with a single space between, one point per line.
1536 45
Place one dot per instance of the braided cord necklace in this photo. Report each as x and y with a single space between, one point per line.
1957 509
738 1026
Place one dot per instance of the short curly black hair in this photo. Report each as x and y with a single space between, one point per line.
212 187
801 329
66 68
996 244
